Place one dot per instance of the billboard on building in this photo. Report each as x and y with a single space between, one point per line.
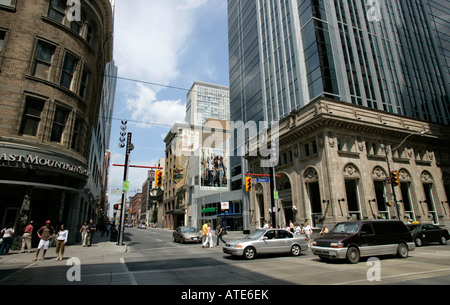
214 169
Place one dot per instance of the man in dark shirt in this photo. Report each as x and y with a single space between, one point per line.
91 230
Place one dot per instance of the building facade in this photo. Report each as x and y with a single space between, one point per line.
334 165
207 101
52 65
386 56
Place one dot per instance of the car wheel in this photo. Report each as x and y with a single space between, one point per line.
353 255
249 253
443 240
402 250
295 250
418 242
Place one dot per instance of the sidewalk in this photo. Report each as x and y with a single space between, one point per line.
101 248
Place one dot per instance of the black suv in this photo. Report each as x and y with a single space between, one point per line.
355 239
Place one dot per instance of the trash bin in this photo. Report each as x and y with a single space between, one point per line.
114 235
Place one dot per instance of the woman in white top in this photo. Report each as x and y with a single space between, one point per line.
208 239
7 238
61 242
308 232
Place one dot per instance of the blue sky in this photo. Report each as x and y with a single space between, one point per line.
171 43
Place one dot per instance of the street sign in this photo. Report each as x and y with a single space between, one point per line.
262 179
275 194
126 186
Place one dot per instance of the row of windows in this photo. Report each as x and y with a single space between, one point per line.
44 63
58 12
61 127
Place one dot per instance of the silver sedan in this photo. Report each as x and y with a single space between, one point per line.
267 241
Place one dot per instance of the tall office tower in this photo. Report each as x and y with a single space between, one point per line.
386 55
297 61
205 101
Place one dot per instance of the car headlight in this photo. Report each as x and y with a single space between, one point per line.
314 243
337 245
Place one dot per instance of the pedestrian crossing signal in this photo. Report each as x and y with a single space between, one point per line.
248 184
158 178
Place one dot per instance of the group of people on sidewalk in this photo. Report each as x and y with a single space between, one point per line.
207 235
46 234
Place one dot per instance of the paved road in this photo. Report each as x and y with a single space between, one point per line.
155 259
150 257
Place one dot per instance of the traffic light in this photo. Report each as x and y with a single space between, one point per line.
394 178
158 178
248 184
389 204
116 207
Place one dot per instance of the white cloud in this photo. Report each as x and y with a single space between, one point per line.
151 35
145 107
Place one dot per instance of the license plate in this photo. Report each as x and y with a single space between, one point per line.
332 253
194 238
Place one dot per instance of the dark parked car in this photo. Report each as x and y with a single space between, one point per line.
355 239
187 234
426 233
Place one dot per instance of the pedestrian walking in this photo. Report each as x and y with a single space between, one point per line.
7 232
61 241
297 229
291 226
308 231
84 233
220 235
45 233
265 225
204 232
208 240
26 237
91 231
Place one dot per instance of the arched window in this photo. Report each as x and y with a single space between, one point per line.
351 178
90 34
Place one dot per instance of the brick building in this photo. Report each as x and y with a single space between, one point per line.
52 63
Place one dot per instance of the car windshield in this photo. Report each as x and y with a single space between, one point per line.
257 234
346 227
188 230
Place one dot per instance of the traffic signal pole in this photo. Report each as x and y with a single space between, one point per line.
124 193
397 207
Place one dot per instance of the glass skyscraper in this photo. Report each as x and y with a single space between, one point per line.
386 55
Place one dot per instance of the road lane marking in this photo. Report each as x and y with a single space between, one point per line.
130 274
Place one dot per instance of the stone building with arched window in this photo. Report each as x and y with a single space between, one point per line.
334 164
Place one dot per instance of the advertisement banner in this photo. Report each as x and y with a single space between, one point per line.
214 169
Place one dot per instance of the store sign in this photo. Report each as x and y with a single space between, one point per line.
208 210
38 160
178 174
